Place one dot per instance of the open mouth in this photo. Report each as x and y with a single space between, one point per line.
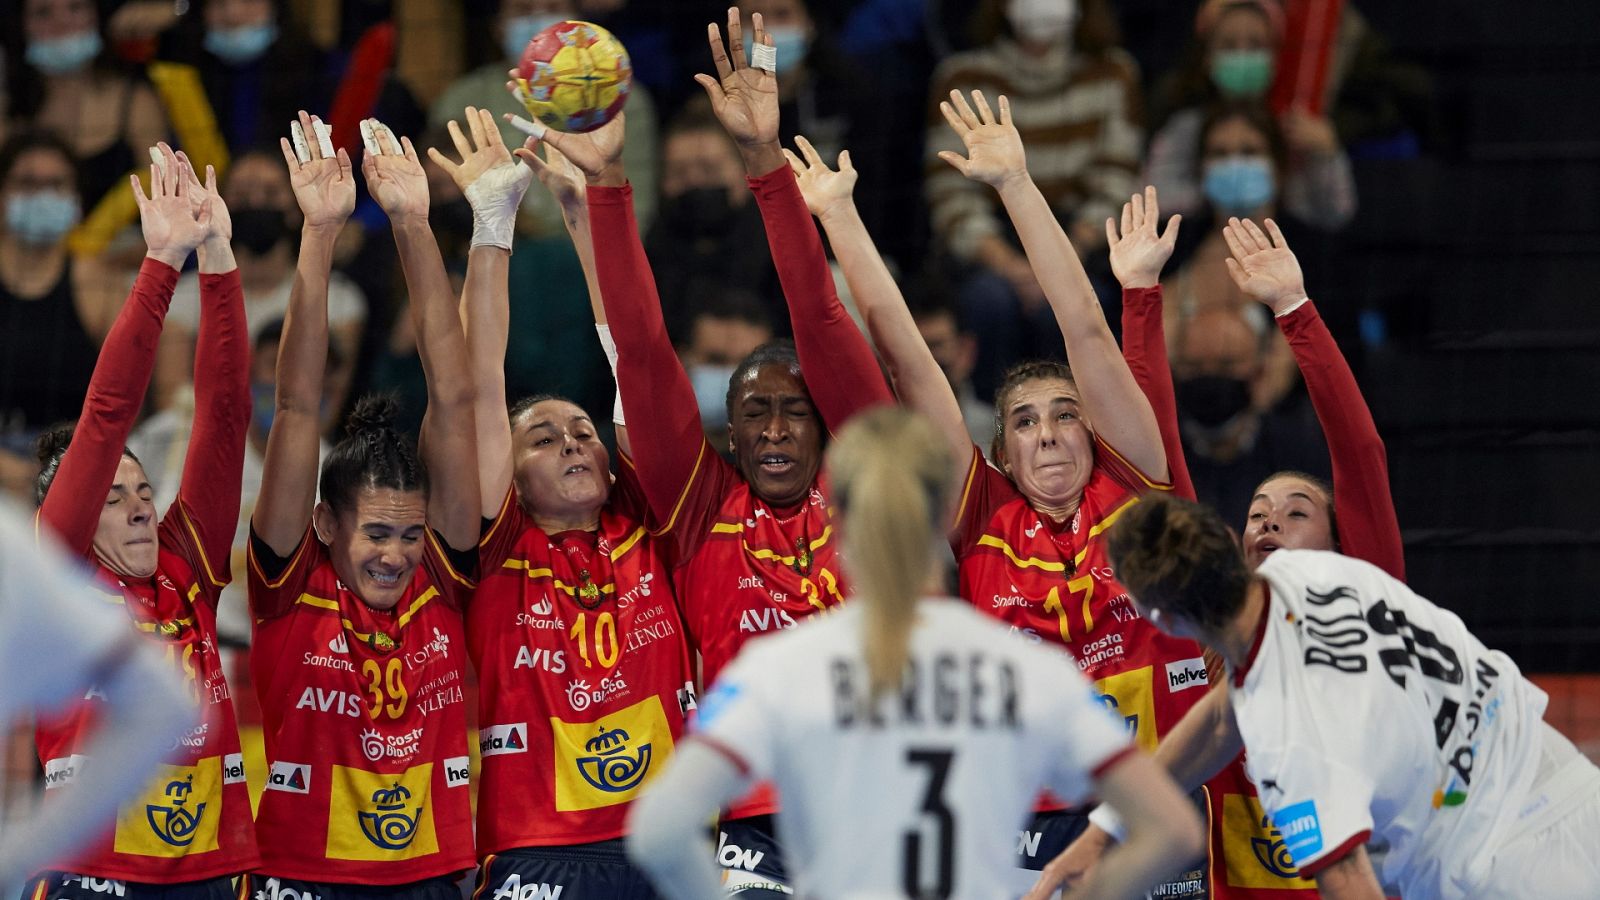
776 463
576 469
1265 547
384 579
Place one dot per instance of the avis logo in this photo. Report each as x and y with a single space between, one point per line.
1272 852
613 768
175 824
514 889
388 826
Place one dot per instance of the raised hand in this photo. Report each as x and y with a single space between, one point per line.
491 180
324 186
172 229
1263 268
395 177
560 175
827 192
593 151
1138 255
744 98
202 193
994 148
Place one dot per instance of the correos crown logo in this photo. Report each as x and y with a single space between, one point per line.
173 823
612 767
388 826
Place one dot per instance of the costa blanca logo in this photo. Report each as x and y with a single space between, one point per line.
1272 852
233 768
582 697
497 739
1187 673
291 778
387 825
457 771
376 746
612 765
175 823
514 889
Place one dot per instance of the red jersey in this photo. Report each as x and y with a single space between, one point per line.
365 723
584 674
1055 583
193 820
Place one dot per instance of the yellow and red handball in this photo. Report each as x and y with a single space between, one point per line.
574 76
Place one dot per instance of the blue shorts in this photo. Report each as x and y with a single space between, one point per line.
72 886
267 887
597 871
751 859
1049 833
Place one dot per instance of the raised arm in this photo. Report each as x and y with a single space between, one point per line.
657 399
916 375
122 373
325 188
1118 411
493 184
1137 257
840 370
1266 269
449 439
213 470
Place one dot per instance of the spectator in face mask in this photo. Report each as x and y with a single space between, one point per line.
708 224
516 24
1219 368
54 309
1233 59
726 327
1074 95
61 78
266 224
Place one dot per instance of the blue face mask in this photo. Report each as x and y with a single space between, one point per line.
41 217
791 45
263 404
238 46
711 392
522 29
64 55
1239 185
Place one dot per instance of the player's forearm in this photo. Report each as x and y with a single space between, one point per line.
1203 742
487 319
1055 263
213 470
303 352
1144 348
1351 878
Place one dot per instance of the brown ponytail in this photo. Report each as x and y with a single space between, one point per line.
891 476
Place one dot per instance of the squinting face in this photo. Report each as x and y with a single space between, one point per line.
1049 449
775 434
562 470
125 540
1287 513
376 544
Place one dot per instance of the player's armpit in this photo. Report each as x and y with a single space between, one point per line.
1350 877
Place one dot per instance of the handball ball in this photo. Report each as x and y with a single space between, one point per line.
576 76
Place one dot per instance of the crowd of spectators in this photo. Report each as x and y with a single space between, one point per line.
88 85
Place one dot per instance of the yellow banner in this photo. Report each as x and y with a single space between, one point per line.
605 762
374 816
1129 697
177 814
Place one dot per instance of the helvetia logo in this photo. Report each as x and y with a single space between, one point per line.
497 739
292 778
613 767
174 823
457 771
1272 852
233 768
686 700
387 826
1186 673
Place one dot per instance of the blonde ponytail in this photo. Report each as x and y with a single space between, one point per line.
891 476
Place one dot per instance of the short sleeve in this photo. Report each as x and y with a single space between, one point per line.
983 491
1123 472
346 304
1083 738
455 572
1320 804
500 534
734 720
185 308
52 621
275 582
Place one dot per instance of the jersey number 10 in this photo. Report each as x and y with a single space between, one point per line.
937 818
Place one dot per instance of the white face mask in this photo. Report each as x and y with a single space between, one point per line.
1042 21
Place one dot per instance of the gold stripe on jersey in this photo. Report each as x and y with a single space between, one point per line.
763 552
289 567
444 559
1034 562
1139 473
545 572
628 543
400 623
199 546
499 518
683 495
972 476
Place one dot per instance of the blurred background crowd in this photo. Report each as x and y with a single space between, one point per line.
1435 186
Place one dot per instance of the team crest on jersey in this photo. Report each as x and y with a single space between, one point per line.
381 816
1254 850
176 822
381 642
177 815
604 763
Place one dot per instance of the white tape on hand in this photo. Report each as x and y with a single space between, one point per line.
324 136
764 56
297 136
394 143
532 127
368 140
158 159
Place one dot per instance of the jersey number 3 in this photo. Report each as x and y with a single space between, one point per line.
937 819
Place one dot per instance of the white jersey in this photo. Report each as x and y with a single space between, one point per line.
1367 711
922 793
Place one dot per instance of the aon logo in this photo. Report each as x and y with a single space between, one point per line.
733 856
514 889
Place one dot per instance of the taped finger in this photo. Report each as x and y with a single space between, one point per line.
368 140
532 128
298 136
764 57
324 136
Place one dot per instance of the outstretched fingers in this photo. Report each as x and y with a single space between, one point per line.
812 156
956 160
735 39
968 117
719 52
985 115
799 167
1277 235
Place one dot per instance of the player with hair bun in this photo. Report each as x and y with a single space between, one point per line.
922 724
1367 713
189 832
753 542
583 666
357 600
